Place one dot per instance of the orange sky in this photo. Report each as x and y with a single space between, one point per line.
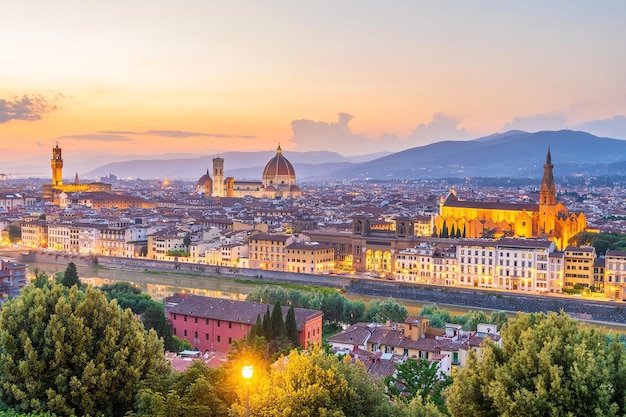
112 79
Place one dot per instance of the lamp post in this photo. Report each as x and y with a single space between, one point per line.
246 372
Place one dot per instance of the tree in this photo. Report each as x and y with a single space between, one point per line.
15 232
292 327
70 352
187 242
314 383
353 311
267 325
418 379
436 316
70 277
41 279
278 323
387 310
196 392
546 366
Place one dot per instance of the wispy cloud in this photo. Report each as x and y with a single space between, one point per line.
177 134
441 127
28 108
99 137
611 128
537 123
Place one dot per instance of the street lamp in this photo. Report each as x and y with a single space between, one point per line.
246 372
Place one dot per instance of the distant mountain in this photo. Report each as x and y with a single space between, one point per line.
513 154
241 165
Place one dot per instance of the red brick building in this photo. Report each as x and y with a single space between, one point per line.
212 324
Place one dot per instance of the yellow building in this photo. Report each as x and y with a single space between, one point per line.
546 219
310 257
578 265
615 274
56 187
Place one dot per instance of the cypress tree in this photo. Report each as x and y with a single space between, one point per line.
292 327
70 277
278 324
257 329
268 332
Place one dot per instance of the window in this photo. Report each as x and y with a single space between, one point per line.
206 336
195 335
174 316
219 323
230 324
207 322
185 318
219 338
230 340
196 319
185 333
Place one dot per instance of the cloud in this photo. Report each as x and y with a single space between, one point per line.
441 127
610 128
99 137
337 136
29 108
311 135
177 134
537 123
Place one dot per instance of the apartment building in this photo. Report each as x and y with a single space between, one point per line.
269 251
310 258
578 266
615 274
212 324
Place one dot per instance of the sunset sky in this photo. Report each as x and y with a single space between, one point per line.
111 80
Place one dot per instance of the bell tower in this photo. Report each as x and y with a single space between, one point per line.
547 192
218 177
57 166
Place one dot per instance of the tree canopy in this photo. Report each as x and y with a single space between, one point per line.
70 277
546 366
71 352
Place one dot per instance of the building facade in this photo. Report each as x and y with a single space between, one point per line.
213 324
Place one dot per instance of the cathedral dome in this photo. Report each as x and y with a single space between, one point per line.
205 184
279 171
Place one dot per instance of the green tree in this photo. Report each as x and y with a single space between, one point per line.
267 325
70 277
315 384
187 242
196 392
499 318
353 311
419 379
437 317
15 232
546 366
41 279
70 352
291 327
278 323
387 310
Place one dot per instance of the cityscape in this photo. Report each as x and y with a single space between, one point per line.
329 209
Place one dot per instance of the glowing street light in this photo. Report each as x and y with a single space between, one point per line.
246 372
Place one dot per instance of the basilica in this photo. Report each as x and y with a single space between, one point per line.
546 219
278 181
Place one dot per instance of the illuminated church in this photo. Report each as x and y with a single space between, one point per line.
546 219
53 190
278 181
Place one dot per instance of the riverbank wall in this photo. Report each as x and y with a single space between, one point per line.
187 268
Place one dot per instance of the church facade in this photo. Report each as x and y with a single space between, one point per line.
278 181
546 219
